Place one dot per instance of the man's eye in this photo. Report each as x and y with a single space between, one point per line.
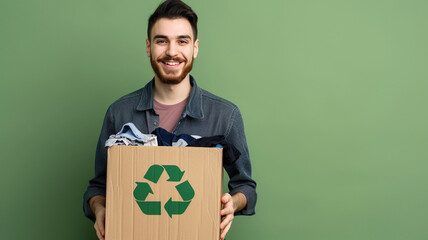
183 42
161 41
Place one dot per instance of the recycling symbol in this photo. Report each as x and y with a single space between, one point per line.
142 190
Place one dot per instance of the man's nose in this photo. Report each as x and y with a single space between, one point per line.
172 49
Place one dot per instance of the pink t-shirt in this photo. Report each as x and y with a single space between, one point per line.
169 114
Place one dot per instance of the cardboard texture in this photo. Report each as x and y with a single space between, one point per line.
163 193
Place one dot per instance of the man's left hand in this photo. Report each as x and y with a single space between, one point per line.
229 206
226 212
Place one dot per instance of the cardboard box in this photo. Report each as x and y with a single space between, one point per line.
163 193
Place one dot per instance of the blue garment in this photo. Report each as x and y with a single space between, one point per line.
166 138
130 135
130 131
205 115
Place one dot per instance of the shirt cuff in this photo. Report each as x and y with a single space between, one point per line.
251 195
88 195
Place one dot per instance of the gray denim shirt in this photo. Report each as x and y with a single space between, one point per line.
205 115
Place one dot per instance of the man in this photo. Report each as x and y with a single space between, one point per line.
173 101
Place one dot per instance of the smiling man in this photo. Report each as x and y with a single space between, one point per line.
171 50
173 101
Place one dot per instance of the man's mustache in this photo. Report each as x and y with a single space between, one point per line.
176 59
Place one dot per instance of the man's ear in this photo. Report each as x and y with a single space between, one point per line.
196 48
148 47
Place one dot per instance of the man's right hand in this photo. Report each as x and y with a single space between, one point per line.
100 223
98 207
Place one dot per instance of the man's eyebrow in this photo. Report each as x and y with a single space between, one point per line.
185 36
159 36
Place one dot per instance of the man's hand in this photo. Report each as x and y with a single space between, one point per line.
230 204
98 207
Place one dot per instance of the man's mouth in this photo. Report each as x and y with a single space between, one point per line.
171 63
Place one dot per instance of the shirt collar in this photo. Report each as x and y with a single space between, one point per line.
193 107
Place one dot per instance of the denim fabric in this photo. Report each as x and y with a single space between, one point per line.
205 115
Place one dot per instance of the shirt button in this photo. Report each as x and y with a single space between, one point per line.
155 123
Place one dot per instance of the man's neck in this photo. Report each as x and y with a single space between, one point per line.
170 94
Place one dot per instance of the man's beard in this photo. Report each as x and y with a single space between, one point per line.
166 79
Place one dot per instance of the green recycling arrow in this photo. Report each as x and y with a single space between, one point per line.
142 190
174 173
154 173
185 190
140 193
175 208
150 208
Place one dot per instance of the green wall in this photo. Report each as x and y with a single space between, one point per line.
333 93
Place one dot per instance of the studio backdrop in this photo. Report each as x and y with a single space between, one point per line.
333 95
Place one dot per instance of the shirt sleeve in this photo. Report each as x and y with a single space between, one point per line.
240 171
97 185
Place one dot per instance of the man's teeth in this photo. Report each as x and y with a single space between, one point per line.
172 63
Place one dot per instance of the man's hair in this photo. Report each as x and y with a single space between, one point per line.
174 9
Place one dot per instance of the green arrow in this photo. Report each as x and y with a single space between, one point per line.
175 208
174 173
150 208
154 173
142 190
185 190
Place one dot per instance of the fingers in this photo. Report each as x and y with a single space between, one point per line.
100 233
227 205
226 221
101 227
227 212
225 230
227 209
226 198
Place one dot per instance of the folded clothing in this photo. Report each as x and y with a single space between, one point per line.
130 135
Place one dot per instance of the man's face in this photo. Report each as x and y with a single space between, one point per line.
172 49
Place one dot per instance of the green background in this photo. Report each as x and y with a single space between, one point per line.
333 93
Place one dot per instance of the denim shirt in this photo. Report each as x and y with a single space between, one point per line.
205 115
